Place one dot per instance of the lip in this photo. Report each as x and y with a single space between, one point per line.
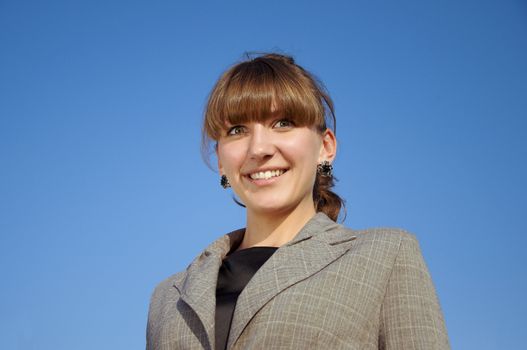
248 173
264 182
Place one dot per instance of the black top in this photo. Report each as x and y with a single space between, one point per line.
235 272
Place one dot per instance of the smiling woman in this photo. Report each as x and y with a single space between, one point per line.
292 278
271 166
272 105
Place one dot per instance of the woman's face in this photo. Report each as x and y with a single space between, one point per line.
271 165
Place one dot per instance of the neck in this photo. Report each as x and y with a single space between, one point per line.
275 229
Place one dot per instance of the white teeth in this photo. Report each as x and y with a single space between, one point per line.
264 175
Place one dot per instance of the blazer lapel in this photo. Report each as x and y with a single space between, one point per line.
317 245
198 287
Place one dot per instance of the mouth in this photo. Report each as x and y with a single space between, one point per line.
266 175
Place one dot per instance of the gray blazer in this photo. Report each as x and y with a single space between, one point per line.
328 288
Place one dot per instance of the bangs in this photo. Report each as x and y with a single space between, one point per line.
256 90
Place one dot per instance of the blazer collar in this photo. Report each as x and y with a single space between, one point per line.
320 242
197 286
317 245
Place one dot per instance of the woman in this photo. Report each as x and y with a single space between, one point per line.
292 278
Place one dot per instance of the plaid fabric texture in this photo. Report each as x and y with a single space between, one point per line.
329 288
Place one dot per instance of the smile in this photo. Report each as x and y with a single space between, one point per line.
265 175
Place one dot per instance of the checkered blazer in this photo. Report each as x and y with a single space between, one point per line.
328 288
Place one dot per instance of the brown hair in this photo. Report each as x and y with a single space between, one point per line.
258 87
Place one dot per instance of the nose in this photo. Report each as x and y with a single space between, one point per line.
261 144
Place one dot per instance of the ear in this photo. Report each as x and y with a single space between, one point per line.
328 149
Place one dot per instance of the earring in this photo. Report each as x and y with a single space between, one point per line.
224 182
325 169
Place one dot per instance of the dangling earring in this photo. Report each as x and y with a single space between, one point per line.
325 169
224 182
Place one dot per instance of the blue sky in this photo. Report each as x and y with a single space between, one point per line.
103 192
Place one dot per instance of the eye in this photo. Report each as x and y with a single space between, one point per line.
236 130
284 123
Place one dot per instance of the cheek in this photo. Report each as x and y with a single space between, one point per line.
230 156
301 151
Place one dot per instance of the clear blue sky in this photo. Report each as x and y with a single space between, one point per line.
103 192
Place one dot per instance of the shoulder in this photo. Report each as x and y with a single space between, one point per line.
383 243
395 249
169 282
389 235
166 290
164 296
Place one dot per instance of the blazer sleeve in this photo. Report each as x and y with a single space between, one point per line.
411 316
152 322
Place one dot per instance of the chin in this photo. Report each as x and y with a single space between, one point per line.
271 207
266 208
